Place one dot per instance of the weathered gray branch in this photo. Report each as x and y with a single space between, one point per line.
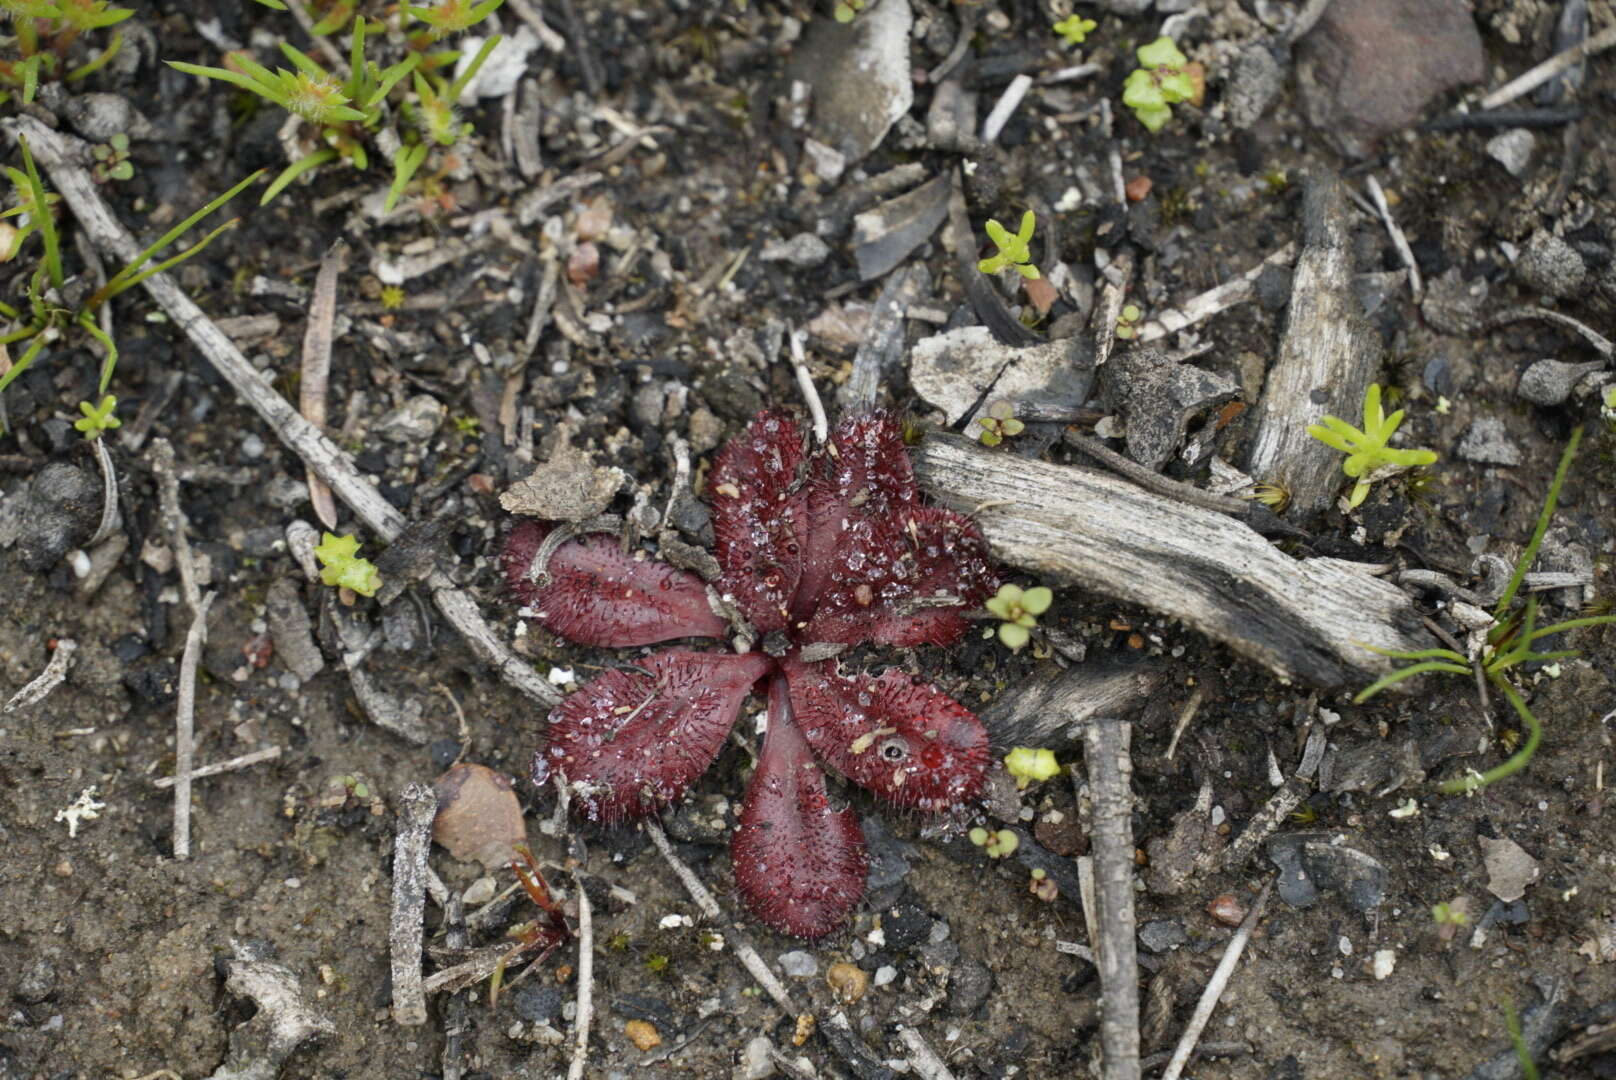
1308 620
1327 357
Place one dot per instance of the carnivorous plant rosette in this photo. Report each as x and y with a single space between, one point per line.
819 551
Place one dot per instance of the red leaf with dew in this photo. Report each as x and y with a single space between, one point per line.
592 593
799 863
633 741
760 518
903 579
902 739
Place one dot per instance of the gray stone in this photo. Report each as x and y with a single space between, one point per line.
799 964
1162 935
568 487
415 421
887 234
805 250
1487 442
1513 150
37 983
1509 868
1124 7
1255 83
1370 67
757 1061
1159 398
1550 382
1454 305
861 76
290 627
1551 266
1314 862
59 512
969 985
952 370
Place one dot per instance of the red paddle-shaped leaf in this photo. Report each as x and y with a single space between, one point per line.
799 864
905 740
903 579
595 595
862 476
630 742
760 517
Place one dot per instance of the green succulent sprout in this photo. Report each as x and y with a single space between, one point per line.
1013 250
1019 608
342 566
1159 82
1000 423
97 418
1128 320
1031 765
1074 29
848 10
1368 457
996 844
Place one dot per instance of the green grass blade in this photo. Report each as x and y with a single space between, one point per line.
23 362
295 170
1572 624
47 225
1392 678
101 60
108 365
1530 554
1534 735
471 71
127 277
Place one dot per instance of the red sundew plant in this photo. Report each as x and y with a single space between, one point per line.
819 551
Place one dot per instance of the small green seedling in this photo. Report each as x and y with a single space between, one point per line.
1523 1053
1000 423
1368 457
449 17
1160 81
1031 765
1074 29
1607 406
342 566
97 418
1446 914
112 159
1019 608
1128 320
1042 886
847 10
1012 249
1509 643
996 844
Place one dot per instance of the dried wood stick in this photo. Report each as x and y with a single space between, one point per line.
1110 769
317 367
61 156
1215 300
185 724
1399 241
174 524
417 806
48 680
928 1066
1215 986
268 753
1534 77
1307 620
586 980
1327 357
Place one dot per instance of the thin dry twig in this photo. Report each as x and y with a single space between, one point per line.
185 725
1105 749
1535 77
586 980
174 524
1215 986
928 1066
60 155
48 680
109 493
805 383
1109 309
1600 342
316 378
1005 108
1399 241
1215 300
417 806
242 761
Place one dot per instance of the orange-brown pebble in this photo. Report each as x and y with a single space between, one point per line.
480 483
805 1029
1137 188
1227 909
847 981
643 1034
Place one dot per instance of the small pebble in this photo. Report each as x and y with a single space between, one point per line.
1226 909
643 1034
847 981
799 964
885 974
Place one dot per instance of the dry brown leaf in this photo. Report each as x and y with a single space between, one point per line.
479 818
